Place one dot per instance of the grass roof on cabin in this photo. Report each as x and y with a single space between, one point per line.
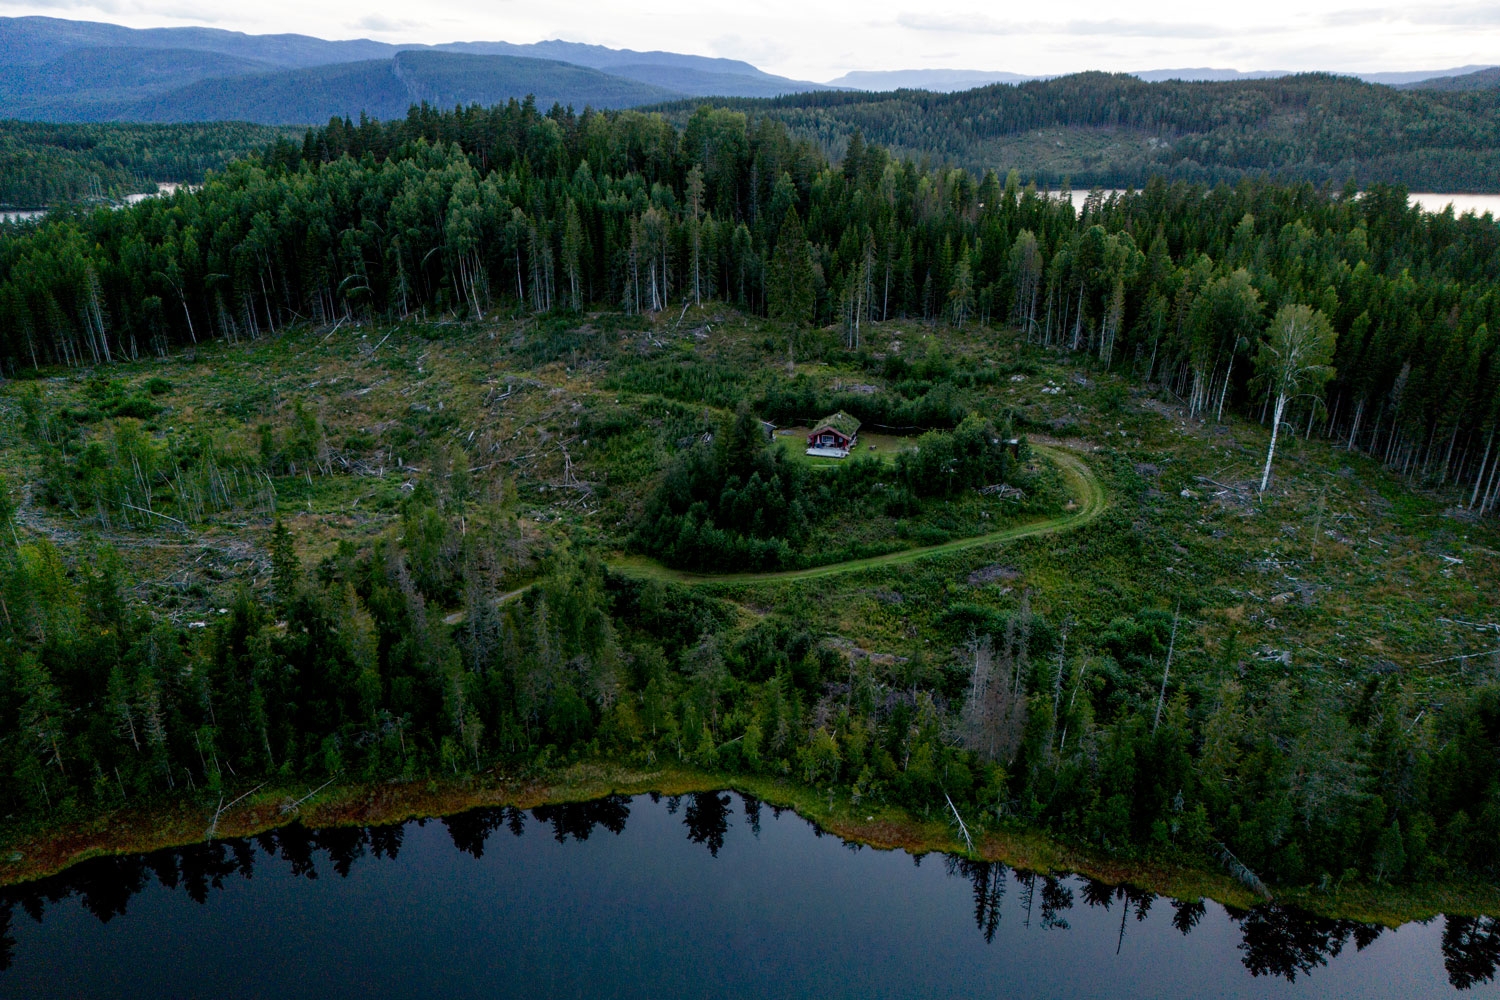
842 422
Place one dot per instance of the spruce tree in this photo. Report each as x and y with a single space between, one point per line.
286 570
790 293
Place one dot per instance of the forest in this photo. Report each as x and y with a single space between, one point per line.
464 637
1085 129
481 210
43 165
1116 130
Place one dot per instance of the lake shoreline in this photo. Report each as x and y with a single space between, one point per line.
140 831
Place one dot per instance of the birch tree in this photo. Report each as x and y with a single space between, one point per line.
961 295
1294 361
1026 268
1223 316
572 254
695 231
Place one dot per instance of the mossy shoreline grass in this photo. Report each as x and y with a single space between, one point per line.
39 853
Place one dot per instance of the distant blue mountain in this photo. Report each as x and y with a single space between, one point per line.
59 70
91 83
30 41
1422 76
698 76
600 57
53 69
380 88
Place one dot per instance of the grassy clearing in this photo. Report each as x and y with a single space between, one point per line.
1339 565
886 447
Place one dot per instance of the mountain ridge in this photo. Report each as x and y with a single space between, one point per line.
386 88
54 69
34 43
952 81
1483 79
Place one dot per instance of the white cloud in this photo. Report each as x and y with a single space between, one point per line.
759 51
820 40
984 24
51 6
383 25
1441 15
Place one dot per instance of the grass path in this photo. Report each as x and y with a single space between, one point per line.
1089 502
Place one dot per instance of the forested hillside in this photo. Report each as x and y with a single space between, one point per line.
1484 79
94 84
35 40
436 411
1116 130
44 165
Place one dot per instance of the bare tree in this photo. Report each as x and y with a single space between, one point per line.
1167 670
994 717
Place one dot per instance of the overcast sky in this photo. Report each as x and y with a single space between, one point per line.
824 38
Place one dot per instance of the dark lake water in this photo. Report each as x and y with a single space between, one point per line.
699 896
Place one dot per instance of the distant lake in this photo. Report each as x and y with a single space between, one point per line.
27 215
1462 203
704 895
1426 200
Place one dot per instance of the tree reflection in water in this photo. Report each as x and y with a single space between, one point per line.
1471 950
469 831
988 879
1056 898
1186 913
1276 941
578 819
1284 941
752 814
1096 893
707 819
